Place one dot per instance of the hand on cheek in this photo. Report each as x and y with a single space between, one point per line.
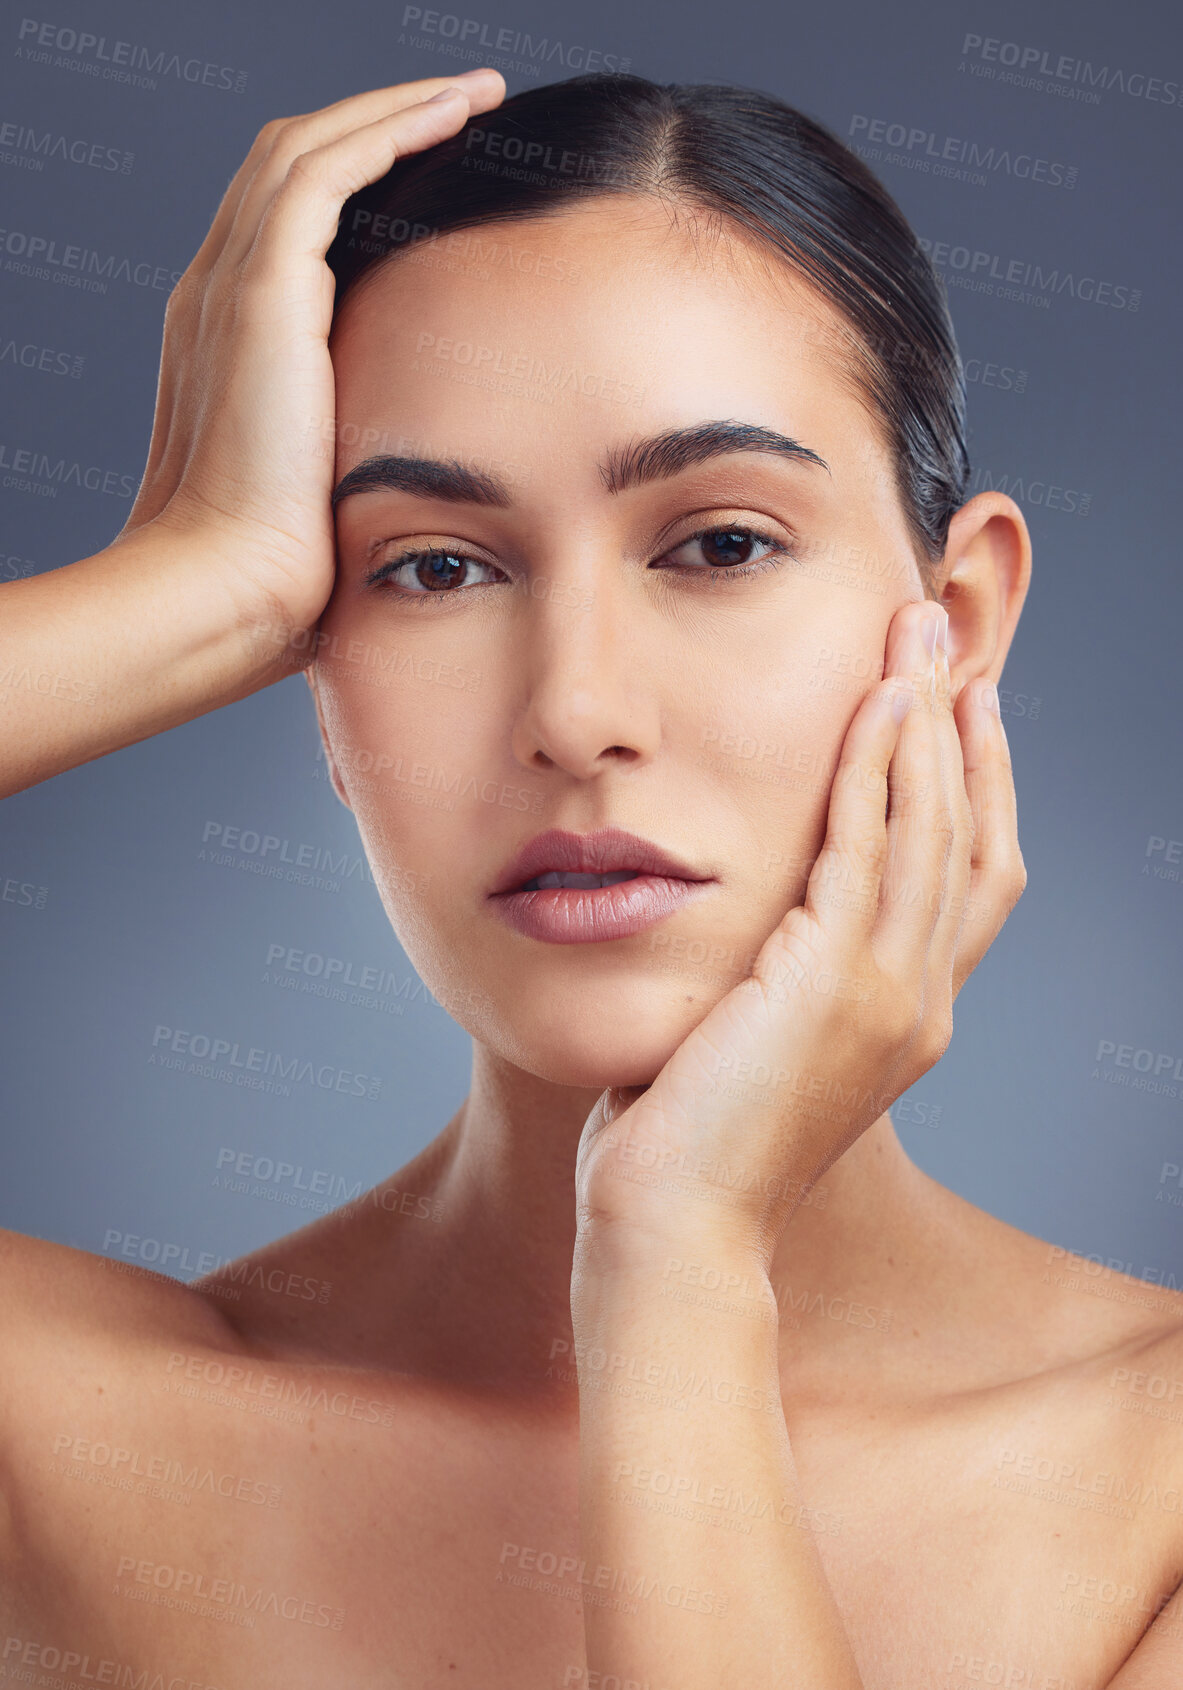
850 1000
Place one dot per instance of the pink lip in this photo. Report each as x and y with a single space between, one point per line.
558 915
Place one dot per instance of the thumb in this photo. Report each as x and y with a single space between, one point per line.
611 1104
619 1098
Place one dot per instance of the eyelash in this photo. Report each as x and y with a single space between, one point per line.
381 577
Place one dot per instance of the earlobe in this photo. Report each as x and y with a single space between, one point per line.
983 583
334 772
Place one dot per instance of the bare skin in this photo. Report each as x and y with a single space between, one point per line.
396 1470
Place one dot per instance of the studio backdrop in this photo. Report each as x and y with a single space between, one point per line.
171 909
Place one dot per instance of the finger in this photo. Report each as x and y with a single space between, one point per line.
274 148
920 827
285 138
943 947
303 214
842 893
997 872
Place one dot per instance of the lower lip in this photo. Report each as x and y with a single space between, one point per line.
567 915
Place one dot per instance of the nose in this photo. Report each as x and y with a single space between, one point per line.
590 696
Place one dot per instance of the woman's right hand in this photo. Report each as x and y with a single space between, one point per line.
228 552
245 397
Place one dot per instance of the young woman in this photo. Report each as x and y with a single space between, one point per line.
608 485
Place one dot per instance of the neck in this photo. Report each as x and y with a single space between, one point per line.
495 1272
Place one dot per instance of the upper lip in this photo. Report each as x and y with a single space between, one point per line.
557 851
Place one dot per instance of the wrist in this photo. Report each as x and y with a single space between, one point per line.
198 639
270 585
652 1251
635 1209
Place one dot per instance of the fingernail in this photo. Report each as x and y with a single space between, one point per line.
444 94
936 630
988 697
484 70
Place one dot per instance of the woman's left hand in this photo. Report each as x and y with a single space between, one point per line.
851 998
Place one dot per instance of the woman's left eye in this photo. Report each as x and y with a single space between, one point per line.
730 549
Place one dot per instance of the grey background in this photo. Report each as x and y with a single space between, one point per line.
126 927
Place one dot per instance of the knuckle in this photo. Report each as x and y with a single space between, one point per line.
181 296
902 1008
1017 879
867 851
182 308
937 1036
944 829
304 168
271 132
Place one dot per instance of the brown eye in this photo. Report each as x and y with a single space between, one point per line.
729 547
435 571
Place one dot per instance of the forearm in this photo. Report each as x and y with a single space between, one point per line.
105 652
682 1440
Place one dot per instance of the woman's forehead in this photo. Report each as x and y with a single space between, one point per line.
632 321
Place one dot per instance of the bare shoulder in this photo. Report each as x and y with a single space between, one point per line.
62 1308
55 1286
1105 1307
1042 1309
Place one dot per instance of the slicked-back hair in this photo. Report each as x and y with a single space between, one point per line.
736 155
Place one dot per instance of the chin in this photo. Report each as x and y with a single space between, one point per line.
590 1037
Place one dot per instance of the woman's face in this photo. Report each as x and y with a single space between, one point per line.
572 657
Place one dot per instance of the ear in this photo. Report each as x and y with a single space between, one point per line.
982 582
334 771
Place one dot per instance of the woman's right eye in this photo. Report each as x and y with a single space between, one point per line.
435 570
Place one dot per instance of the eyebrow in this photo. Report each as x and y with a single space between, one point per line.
654 459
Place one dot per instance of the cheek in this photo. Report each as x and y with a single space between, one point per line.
769 729
414 742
